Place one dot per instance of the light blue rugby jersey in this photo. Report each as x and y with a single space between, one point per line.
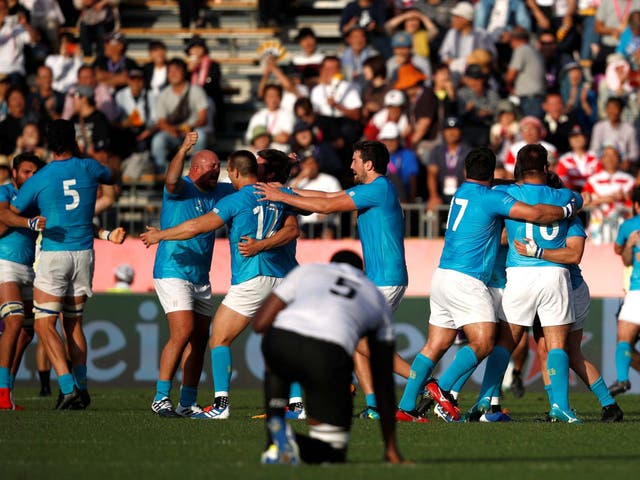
499 273
248 217
18 244
473 230
190 259
576 229
546 236
64 191
381 229
626 229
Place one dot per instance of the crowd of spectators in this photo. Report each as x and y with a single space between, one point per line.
429 78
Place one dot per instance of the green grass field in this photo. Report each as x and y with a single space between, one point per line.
119 437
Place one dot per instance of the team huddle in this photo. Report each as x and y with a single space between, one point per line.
509 263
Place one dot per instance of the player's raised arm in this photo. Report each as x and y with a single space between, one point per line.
290 231
117 235
339 203
186 230
173 180
626 250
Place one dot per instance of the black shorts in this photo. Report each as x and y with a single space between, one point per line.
324 370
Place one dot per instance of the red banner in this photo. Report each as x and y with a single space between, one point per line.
601 267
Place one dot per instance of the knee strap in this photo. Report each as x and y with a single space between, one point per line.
11 308
46 309
335 436
73 311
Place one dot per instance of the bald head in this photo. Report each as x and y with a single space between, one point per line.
205 169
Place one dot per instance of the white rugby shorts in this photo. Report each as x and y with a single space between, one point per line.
543 290
246 298
177 295
496 294
581 306
65 273
20 274
458 299
393 295
630 311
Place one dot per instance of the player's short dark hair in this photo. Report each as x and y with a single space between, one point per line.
278 166
480 164
27 157
635 194
61 137
374 152
245 162
348 256
531 158
157 45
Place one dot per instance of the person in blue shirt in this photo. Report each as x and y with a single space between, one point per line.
17 252
571 255
535 286
628 247
460 297
252 276
381 230
64 192
181 275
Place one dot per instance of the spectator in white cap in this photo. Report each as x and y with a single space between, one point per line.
462 38
403 166
123 274
393 111
403 54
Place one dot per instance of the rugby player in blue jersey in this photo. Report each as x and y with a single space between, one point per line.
64 192
628 247
252 277
460 297
17 252
181 275
535 286
381 230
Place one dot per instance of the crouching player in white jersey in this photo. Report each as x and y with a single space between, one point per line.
311 324
64 191
628 247
570 255
460 297
535 286
17 252
252 277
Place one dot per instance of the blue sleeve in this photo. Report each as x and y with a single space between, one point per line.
226 208
576 229
27 195
501 202
5 196
623 234
365 195
480 16
99 171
